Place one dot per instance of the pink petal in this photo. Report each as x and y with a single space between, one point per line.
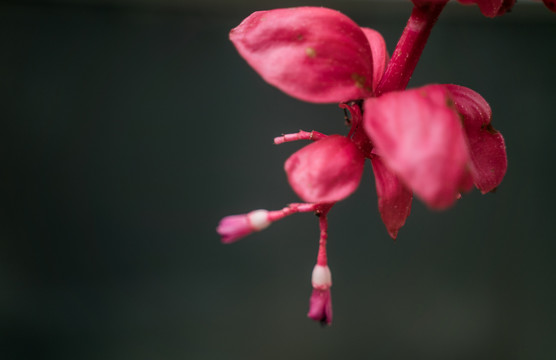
320 306
394 200
311 53
234 227
486 145
325 171
551 4
421 139
492 8
380 54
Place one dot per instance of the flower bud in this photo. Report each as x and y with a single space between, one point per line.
234 227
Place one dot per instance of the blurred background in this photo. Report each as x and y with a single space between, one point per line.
130 127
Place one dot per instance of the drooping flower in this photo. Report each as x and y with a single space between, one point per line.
435 141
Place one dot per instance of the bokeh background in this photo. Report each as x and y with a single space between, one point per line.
129 128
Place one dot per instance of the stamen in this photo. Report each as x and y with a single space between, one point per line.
301 135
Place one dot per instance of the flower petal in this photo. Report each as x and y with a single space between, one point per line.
325 171
492 8
420 137
551 4
394 200
320 306
380 54
311 53
486 145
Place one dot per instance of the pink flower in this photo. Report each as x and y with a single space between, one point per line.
435 141
320 303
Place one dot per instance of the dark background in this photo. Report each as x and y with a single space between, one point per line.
129 128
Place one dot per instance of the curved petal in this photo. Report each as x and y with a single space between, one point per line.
325 171
420 137
394 200
486 145
320 306
492 8
380 54
311 53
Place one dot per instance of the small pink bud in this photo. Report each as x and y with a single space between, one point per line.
320 306
234 227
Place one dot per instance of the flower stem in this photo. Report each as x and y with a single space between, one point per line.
322 259
410 46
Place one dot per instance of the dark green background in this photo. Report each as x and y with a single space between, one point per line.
130 128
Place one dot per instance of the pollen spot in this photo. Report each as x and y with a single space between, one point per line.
300 37
310 52
359 80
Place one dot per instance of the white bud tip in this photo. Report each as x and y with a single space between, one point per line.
258 219
322 277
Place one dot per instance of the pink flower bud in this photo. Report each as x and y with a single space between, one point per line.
234 227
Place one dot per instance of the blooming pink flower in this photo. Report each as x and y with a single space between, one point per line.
435 141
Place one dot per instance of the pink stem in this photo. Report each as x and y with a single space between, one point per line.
410 46
301 135
291 209
322 212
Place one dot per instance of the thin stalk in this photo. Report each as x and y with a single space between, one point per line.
410 46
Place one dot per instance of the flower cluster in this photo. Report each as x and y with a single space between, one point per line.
435 141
